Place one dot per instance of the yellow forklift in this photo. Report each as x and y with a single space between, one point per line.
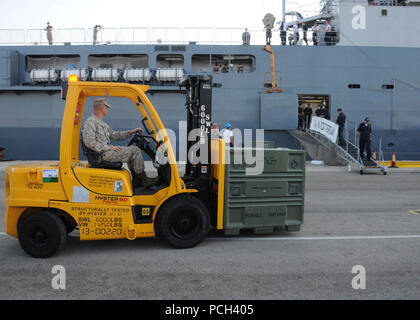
46 201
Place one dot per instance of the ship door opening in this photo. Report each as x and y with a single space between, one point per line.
314 102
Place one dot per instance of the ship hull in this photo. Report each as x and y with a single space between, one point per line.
31 115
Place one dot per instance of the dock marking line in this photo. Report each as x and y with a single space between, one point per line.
414 212
414 236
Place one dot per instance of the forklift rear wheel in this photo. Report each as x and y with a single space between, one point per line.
41 234
183 222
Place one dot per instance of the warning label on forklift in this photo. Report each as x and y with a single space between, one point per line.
49 175
101 181
80 194
118 186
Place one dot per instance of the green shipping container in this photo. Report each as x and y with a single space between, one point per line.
267 144
272 198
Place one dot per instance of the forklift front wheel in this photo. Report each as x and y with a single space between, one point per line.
69 223
41 234
183 222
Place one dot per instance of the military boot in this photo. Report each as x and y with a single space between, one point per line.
146 181
136 181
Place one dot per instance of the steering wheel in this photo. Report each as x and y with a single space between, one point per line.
156 154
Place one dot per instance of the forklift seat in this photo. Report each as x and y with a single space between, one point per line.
95 159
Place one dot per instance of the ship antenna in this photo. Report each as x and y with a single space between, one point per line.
284 9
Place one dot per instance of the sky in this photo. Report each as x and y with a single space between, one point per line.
34 14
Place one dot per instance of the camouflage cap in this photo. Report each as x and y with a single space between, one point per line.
100 102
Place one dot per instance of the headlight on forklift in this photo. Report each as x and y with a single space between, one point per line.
73 78
7 186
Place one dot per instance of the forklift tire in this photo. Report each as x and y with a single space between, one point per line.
70 224
41 234
183 222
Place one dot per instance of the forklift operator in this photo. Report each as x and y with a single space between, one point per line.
97 135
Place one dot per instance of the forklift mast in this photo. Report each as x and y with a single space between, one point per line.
198 89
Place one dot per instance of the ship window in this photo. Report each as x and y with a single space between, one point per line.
51 61
170 61
201 63
161 48
222 63
387 86
354 86
178 48
242 63
121 61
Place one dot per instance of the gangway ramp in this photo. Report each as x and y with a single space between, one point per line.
320 147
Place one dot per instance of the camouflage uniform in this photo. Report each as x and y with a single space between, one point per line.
97 135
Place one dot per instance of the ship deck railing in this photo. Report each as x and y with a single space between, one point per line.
144 36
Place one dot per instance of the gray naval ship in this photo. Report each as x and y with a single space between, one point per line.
371 69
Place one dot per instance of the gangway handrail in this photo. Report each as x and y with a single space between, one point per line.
343 151
340 151
380 161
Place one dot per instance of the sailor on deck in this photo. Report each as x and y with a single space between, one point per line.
327 38
268 35
315 34
49 30
305 32
295 33
96 29
246 38
283 32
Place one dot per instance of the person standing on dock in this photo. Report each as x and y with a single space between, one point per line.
283 32
341 121
365 132
96 29
246 38
49 30
215 131
228 135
